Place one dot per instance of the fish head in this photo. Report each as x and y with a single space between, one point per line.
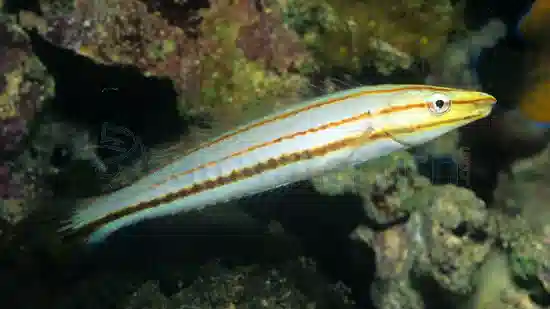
425 114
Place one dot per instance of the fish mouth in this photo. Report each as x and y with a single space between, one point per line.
486 104
482 106
482 103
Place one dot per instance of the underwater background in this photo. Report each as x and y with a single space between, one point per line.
93 93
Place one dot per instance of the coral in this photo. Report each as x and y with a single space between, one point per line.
383 184
446 240
523 224
456 66
418 230
24 88
9 188
392 248
244 287
388 34
12 133
23 85
496 289
457 236
233 57
395 295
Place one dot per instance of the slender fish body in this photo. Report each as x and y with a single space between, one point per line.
317 136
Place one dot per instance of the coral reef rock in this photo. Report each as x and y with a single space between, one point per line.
25 86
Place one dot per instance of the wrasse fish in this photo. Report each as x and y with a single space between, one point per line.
534 27
316 136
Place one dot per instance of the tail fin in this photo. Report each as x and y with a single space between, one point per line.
79 222
96 218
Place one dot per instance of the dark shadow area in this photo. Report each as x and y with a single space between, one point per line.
14 6
323 225
124 111
93 94
478 12
183 14
502 72
171 250
491 154
433 295
503 80
314 225
443 170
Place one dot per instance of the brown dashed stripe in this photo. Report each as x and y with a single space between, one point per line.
247 172
291 136
304 133
236 175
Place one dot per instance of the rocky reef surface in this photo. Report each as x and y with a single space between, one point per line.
93 94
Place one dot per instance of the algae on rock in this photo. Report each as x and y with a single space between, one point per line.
521 215
387 34
417 230
224 61
247 287
25 88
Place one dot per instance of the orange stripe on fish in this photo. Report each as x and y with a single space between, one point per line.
315 137
303 133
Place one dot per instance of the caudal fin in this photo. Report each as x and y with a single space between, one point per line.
91 219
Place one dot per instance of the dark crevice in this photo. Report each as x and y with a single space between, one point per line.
475 234
94 95
184 15
479 235
489 151
536 291
432 293
14 6
461 229
478 12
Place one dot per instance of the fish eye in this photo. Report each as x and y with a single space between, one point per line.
439 104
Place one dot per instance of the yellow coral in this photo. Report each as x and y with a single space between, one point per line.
418 28
231 85
7 106
495 288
